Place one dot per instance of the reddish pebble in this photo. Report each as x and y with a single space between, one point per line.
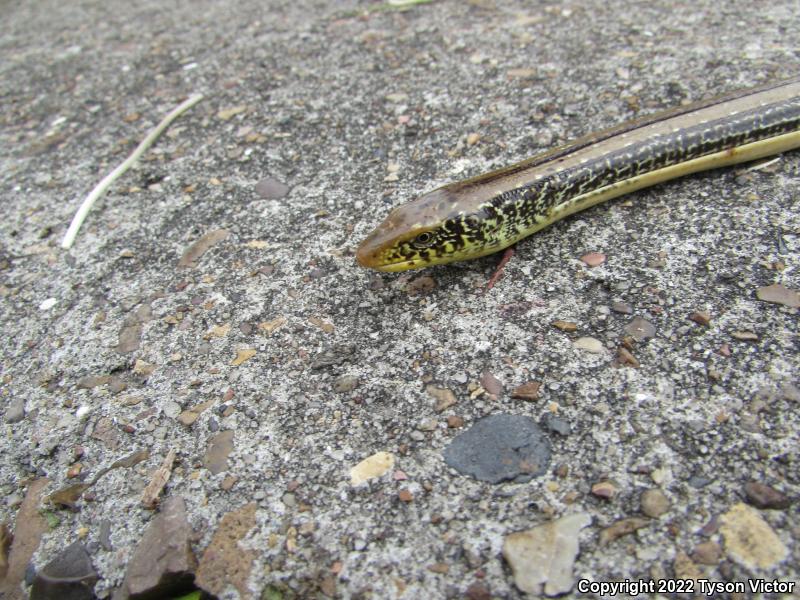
701 317
405 496
593 259
399 476
604 489
491 384
454 422
478 591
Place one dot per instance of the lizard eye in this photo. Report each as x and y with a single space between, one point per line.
423 240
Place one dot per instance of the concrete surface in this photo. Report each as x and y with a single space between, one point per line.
356 109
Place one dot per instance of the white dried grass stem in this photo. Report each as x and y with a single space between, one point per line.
100 189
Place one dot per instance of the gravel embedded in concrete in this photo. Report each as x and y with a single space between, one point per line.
191 284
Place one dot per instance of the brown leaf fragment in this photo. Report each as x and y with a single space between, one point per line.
158 481
107 432
217 331
225 561
626 358
322 324
29 526
129 337
126 462
189 416
491 384
67 497
6 537
567 326
269 327
219 447
163 562
527 391
93 381
779 294
195 250
243 355
621 528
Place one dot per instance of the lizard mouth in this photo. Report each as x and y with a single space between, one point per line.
370 257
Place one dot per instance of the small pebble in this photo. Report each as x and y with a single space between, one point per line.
604 489
47 304
427 425
542 558
763 496
701 318
491 384
640 329
593 259
684 567
707 553
556 424
779 294
371 467
750 540
454 422
270 188
745 336
345 383
589 344
567 326
421 285
444 397
16 410
698 481
654 503
622 307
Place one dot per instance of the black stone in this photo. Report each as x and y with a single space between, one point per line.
501 448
